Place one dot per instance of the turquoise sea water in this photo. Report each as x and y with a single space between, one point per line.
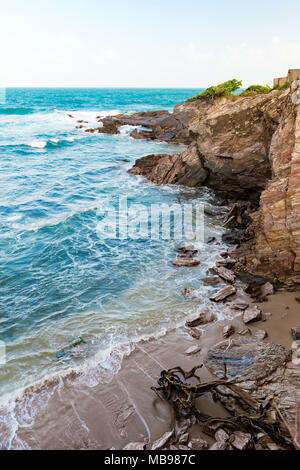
59 280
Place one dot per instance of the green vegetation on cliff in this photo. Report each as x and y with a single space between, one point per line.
282 87
229 87
259 89
224 89
256 89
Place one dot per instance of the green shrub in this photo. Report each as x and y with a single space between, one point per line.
256 89
282 87
224 89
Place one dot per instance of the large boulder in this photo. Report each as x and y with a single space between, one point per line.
247 358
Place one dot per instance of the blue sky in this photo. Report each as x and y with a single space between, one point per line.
146 43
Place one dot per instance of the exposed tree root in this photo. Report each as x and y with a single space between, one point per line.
258 418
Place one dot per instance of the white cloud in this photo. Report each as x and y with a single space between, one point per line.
104 56
253 64
73 42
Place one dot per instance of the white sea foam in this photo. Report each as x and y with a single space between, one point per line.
38 144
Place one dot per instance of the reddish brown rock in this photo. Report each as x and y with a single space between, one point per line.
188 291
240 304
198 444
260 335
226 274
245 332
296 333
200 319
228 331
237 144
193 350
252 314
162 441
186 262
241 441
223 294
135 446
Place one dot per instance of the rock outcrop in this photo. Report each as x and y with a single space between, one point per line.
245 145
154 125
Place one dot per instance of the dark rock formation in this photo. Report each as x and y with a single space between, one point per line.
246 144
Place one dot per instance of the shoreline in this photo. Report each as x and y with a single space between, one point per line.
124 410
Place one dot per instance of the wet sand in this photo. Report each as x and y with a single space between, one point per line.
82 416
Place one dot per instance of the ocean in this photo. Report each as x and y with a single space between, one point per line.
60 281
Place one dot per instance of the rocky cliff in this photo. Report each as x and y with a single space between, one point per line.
241 145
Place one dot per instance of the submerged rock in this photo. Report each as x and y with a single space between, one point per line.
76 349
186 262
211 281
188 291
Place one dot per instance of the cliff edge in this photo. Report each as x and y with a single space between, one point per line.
240 145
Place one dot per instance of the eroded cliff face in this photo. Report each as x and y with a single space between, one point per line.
243 144
276 248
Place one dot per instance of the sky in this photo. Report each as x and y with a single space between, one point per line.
146 43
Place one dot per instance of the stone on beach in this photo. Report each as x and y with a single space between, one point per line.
198 444
219 446
242 441
246 359
135 446
184 438
226 274
267 289
223 294
162 441
193 350
260 335
196 334
221 436
228 331
252 314
200 319
296 333
245 332
240 304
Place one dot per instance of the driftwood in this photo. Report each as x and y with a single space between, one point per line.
247 414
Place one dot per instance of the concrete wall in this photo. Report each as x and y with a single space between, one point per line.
280 81
294 74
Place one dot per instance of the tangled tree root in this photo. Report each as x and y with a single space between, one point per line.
261 419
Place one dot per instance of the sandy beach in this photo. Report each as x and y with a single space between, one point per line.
82 416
